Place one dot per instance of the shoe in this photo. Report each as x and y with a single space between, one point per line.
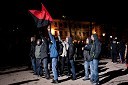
55 81
95 83
85 79
91 81
61 75
68 74
73 78
34 73
47 78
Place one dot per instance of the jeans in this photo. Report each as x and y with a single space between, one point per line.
72 68
39 69
62 64
121 55
88 64
33 60
45 65
95 71
68 65
54 68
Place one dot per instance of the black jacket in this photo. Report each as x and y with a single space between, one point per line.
32 50
71 49
86 53
96 47
44 49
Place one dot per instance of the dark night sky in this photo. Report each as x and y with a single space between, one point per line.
14 13
102 12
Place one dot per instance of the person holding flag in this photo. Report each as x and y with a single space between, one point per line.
53 55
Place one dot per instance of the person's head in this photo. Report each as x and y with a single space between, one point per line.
70 40
114 41
33 39
38 41
88 41
44 39
66 39
94 37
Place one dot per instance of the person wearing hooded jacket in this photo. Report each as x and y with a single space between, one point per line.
88 59
95 52
44 56
70 54
32 54
53 55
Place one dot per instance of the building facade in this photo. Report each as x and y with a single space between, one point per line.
79 30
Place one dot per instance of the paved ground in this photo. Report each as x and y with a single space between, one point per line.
110 74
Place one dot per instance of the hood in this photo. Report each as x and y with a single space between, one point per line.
89 40
44 40
95 37
69 40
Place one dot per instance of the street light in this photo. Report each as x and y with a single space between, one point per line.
103 34
64 16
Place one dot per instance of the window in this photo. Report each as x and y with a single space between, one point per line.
75 33
80 33
84 26
79 25
66 33
56 33
75 26
87 26
83 33
60 24
61 33
55 24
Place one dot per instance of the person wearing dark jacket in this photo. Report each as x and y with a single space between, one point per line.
32 54
71 52
44 56
88 60
95 52
121 50
114 51
38 58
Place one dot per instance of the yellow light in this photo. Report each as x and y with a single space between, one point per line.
93 31
52 31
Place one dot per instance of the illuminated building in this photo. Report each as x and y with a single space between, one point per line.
80 30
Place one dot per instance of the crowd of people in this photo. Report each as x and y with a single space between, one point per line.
54 54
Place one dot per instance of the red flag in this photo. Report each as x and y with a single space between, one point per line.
41 17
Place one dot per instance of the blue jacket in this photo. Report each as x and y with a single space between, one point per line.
53 47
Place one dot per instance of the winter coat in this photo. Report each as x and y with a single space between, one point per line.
44 49
53 47
71 49
95 48
37 51
32 50
86 53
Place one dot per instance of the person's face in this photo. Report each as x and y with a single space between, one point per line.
66 39
87 41
32 39
92 37
38 42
